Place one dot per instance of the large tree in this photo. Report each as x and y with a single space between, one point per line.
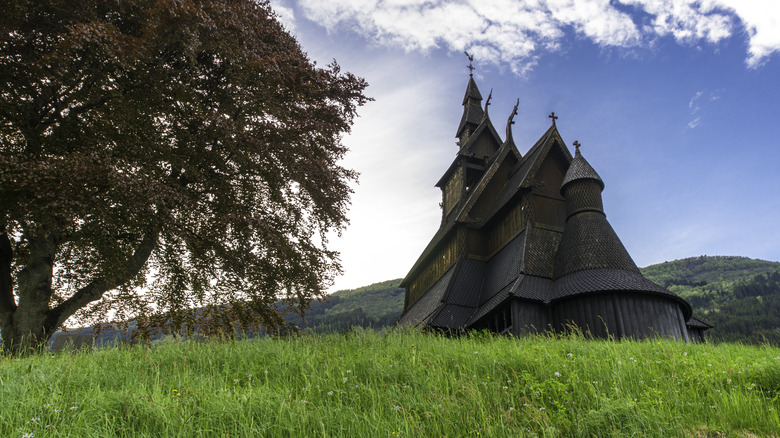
161 156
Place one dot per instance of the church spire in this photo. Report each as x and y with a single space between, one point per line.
472 109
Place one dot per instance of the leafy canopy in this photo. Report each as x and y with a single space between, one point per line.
187 147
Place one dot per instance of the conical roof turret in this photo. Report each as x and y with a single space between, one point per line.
581 186
588 241
580 169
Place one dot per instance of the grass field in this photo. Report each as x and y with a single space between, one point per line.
403 384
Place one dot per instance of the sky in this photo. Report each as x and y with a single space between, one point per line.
676 104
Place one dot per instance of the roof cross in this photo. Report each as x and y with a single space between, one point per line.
470 66
576 146
553 117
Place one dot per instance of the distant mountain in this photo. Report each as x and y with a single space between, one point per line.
740 296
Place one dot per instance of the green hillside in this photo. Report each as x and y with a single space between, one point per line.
740 296
377 305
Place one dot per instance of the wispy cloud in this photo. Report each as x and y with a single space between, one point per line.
692 104
516 33
695 104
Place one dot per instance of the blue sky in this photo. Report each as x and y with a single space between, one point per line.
676 104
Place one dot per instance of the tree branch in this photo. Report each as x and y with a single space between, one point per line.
95 289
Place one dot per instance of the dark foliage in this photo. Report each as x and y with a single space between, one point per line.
753 315
185 147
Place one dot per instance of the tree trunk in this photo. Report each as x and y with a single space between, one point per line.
22 337
27 327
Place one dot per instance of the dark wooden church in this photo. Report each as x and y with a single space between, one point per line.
524 246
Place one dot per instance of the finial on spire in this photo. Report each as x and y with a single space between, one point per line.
576 146
487 102
511 120
470 66
553 117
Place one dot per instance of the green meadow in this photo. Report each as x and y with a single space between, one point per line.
399 384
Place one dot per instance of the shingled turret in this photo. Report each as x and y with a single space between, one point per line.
588 242
593 266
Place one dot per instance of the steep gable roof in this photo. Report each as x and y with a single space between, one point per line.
466 151
485 127
504 153
523 173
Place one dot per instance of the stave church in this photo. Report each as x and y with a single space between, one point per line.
524 246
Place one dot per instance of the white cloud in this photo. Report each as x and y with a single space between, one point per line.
515 33
761 19
687 21
597 20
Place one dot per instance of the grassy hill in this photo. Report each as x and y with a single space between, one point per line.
403 384
741 296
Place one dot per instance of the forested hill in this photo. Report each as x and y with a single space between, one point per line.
377 305
740 296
